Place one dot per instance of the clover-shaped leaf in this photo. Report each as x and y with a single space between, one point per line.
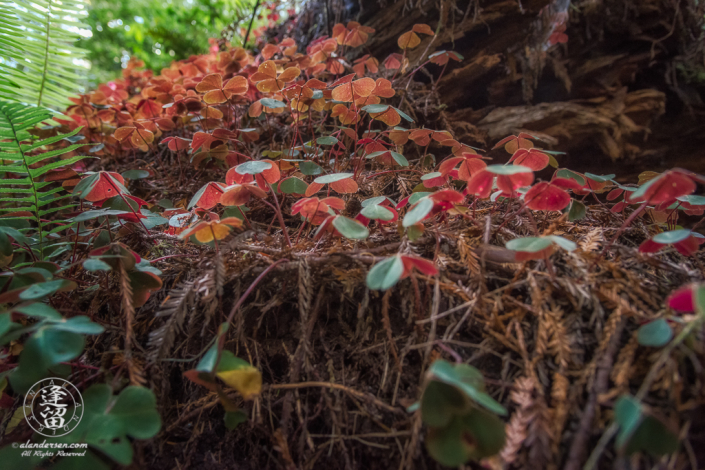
641 431
656 333
459 429
108 420
472 436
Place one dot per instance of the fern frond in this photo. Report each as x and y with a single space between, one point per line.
21 167
174 308
39 60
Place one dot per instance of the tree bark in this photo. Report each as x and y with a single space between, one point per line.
617 92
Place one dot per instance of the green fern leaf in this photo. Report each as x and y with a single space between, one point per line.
39 60
19 188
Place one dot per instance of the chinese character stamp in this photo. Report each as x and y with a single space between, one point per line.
53 407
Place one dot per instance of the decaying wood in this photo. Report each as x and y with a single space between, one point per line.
610 121
609 94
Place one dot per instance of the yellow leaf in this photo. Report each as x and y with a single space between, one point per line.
246 380
647 176
205 234
17 418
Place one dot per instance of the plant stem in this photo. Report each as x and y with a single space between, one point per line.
249 27
233 311
626 223
278 211
46 57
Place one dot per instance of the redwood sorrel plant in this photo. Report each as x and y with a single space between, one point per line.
297 146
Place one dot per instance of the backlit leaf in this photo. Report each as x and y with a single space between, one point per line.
253 167
332 178
418 213
272 103
529 244
656 334
240 375
673 236
385 274
350 228
375 212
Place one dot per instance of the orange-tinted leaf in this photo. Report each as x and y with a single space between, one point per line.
356 38
423 29
210 112
268 69
343 93
421 137
313 188
165 124
346 79
255 109
335 67
442 57
211 231
394 61
469 167
531 158
211 196
390 117
232 222
210 82
270 85
123 133
315 84
447 196
515 142
408 40
399 136
202 139
345 186
290 74
364 87
269 50
345 115
238 85
339 33
272 174
335 203
149 109
107 185
215 97
236 195
233 177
